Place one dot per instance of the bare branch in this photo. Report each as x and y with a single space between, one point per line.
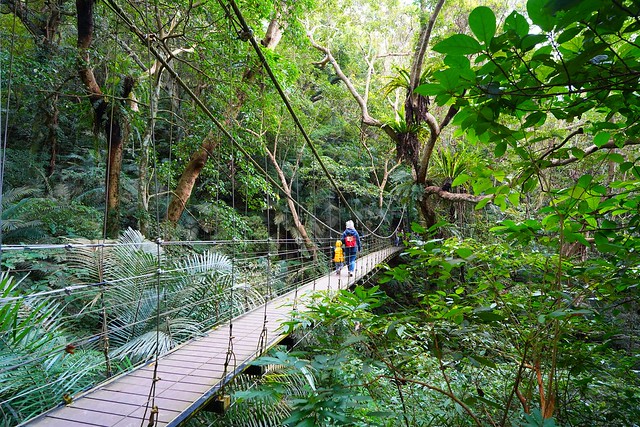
590 150
450 114
321 64
579 131
392 54
173 54
366 118
425 36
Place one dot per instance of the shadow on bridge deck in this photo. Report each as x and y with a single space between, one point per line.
190 376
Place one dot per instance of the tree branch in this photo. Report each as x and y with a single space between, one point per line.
425 36
455 197
392 54
590 150
366 118
579 131
439 390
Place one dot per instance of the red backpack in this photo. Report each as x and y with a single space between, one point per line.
350 241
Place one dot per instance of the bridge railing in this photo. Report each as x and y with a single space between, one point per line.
73 315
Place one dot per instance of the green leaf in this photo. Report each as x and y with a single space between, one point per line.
531 40
458 44
625 166
481 361
489 316
517 23
584 181
482 203
535 119
601 139
540 14
429 89
615 157
558 314
483 23
448 78
514 198
568 34
460 179
458 62
577 152
464 252
500 149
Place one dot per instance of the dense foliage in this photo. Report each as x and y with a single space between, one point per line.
502 137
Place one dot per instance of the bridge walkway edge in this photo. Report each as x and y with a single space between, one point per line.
191 375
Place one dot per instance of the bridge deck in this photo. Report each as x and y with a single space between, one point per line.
191 375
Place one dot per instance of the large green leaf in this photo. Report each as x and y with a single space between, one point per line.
483 24
601 139
539 14
517 23
458 44
429 89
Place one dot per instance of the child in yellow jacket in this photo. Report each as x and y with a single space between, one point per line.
338 256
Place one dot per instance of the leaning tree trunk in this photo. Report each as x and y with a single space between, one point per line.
108 113
286 186
189 176
211 142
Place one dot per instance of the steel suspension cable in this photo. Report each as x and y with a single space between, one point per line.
145 38
246 30
150 405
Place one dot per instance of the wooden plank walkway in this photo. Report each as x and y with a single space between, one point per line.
191 375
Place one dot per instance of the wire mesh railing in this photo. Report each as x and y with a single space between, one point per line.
73 315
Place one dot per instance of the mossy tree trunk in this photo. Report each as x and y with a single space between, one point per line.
212 141
108 114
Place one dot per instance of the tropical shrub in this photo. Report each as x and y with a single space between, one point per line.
39 366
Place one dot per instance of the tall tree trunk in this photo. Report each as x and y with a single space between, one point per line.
116 126
417 113
143 161
211 142
287 187
43 23
51 114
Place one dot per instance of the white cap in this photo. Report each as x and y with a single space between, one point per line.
350 224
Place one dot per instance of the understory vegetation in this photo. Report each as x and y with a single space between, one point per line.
488 336
168 165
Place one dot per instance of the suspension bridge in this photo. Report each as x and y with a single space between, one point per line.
140 333
246 300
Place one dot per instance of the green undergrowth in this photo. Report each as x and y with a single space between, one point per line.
463 333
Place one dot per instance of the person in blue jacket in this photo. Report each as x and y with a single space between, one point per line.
352 245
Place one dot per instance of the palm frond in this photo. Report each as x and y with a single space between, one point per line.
207 263
259 402
14 195
400 80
